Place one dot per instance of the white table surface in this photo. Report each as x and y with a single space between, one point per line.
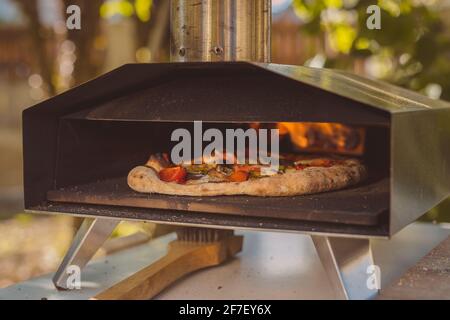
271 266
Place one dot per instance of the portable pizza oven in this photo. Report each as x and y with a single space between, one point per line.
79 146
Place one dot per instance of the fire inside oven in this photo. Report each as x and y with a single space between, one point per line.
97 155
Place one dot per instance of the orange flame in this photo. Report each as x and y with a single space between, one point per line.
325 137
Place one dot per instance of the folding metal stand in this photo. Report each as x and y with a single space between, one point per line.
91 235
349 265
346 261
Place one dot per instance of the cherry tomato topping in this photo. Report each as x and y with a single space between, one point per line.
173 174
238 176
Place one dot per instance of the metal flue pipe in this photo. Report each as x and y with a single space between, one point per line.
220 30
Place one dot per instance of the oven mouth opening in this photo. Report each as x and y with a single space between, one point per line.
95 156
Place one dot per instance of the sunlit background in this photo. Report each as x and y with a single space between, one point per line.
39 58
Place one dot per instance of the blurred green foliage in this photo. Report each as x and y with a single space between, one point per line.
412 47
126 8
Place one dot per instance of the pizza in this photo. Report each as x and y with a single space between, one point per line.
296 175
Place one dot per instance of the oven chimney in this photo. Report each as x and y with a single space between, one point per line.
220 30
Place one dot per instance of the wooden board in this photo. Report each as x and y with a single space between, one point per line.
428 279
182 259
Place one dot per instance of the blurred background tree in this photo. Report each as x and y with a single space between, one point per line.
65 58
412 48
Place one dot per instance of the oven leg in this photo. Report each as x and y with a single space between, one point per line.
349 265
89 238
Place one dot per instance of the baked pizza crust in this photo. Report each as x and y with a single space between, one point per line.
307 181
